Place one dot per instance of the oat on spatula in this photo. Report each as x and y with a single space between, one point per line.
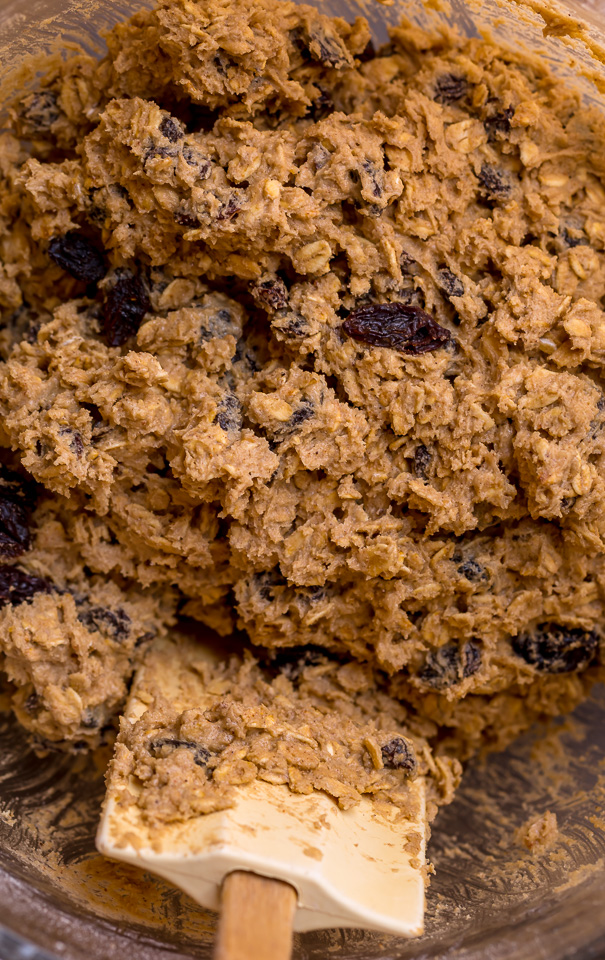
225 773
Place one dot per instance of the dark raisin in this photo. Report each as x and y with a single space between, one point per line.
17 586
77 445
396 325
17 498
125 305
115 623
303 412
229 413
38 112
157 151
193 159
272 292
473 571
79 256
496 185
171 129
230 209
553 648
398 754
327 49
422 461
450 664
220 325
498 123
571 241
292 325
450 87
452 284
185 219
372 173
368 52
163 747
144 639
321 107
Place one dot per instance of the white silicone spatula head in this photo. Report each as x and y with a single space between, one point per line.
361 867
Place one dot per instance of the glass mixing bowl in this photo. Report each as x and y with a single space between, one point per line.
490 899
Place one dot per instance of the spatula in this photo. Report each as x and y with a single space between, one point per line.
276 861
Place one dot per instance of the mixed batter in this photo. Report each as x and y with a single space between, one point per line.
304 340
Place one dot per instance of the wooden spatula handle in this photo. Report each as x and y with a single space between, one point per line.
256 918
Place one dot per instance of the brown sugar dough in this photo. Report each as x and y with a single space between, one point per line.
438 514
303 720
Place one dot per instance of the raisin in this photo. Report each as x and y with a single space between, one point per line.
220 325
292 325
495 182
185 219
39 111
396 325
171 129
229 413
77 445
553 648
125 305
450 87
450 664
17 497
164 746
452 284
571 241
368 52
371 171
398 754
422 461
230 209
318 156
157 151
272 292
78 256
498 123
303 412
193 159
17 586
116 623
321 107
473 571
327 49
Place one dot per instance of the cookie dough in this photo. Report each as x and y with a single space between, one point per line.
302 720
313 335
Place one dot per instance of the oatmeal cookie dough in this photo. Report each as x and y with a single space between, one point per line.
315 334
69 640
303 720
